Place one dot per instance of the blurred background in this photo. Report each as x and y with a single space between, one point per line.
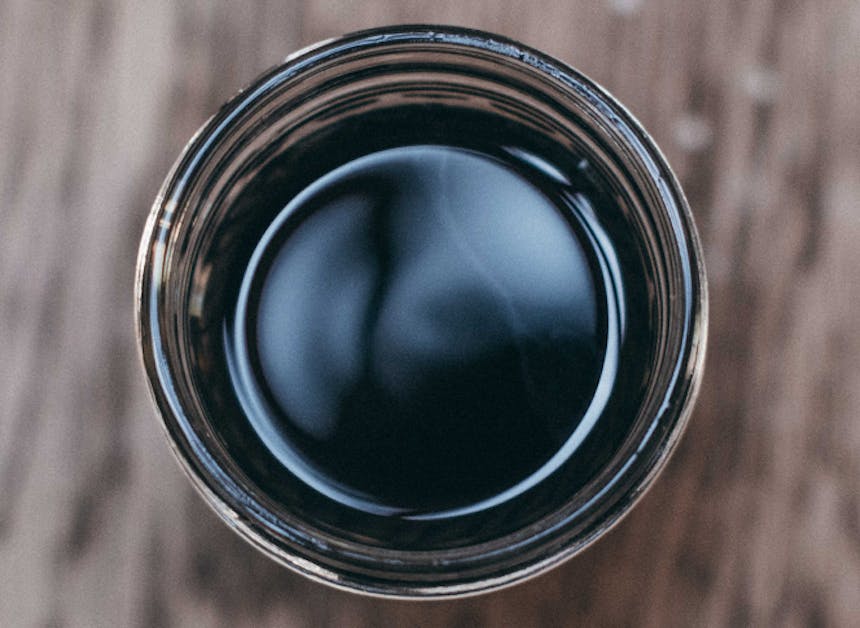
756 520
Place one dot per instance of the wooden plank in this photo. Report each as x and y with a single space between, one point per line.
756 521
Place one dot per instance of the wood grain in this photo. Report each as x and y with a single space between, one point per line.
756 521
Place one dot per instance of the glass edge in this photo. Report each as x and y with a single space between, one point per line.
148 352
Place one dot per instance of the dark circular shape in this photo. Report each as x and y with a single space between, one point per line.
428 333
406 378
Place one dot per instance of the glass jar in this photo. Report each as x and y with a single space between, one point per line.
199 227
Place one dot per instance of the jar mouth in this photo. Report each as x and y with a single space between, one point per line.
381 68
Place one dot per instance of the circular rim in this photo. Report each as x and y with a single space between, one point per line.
240 508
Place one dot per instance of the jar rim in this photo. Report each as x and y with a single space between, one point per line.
487 566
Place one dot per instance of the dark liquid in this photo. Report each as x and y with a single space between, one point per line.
423 339
428 335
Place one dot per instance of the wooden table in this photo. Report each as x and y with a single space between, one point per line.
756 521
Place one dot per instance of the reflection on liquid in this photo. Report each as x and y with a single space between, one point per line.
420 330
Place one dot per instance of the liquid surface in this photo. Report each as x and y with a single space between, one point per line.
420 331
422 325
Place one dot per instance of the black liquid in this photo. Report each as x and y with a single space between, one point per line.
425 328
428 336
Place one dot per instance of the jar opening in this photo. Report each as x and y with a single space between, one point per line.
454 240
